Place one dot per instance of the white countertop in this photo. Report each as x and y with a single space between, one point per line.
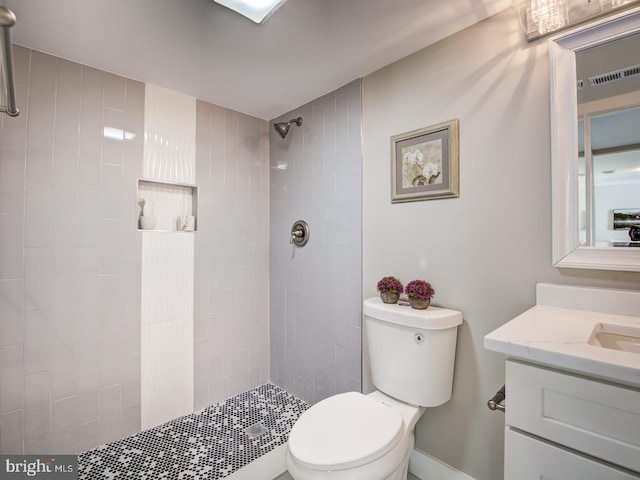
559 338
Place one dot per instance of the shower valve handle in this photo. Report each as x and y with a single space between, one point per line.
299 234
296 234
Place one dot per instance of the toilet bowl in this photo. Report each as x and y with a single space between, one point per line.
352 436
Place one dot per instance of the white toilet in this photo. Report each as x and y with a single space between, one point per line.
352 436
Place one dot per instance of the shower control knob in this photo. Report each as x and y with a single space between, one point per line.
299 233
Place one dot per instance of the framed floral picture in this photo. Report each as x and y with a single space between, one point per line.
424 163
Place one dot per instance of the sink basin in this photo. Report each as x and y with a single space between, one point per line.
616 337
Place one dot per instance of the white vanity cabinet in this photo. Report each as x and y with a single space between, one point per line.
572 403
564 426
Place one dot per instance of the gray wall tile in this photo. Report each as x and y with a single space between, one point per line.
11 307
231 161
37 405
109 358
65 172
88 218
130 378
11 246
65 258
40 153
63 415
68 82
63 369
315 304
87 398
12 433
87 330
38 445
11 377
12 175
114 93
88 435
110 416
38 278
130 421
42 87
39 216
90 161
111 190
91 102
37 341
113 140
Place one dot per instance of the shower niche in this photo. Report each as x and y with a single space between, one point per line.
166 206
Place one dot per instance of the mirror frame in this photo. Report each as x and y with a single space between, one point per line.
566 249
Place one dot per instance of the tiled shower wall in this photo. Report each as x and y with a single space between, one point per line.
231 289
316 290
69 261
167 260
70 257
231 292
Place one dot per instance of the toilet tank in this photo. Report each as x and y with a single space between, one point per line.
412 352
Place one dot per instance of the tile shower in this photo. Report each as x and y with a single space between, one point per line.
69 267
71 259
316 176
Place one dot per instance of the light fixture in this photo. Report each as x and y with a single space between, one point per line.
256 10
544 17
549 15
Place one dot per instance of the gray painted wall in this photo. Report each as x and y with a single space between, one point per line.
316 290
485 251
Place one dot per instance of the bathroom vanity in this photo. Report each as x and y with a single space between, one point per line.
572 385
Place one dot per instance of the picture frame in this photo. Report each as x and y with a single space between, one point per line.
425 163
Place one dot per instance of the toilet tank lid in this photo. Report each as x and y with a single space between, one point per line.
432 318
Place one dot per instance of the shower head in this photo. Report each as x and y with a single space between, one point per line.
283 127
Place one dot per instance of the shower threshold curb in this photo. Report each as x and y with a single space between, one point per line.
246 433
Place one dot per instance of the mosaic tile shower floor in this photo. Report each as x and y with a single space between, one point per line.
210 444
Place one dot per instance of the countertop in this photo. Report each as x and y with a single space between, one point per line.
559 338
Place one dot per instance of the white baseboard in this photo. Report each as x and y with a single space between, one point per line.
427 467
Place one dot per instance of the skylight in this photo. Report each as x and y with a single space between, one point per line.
256 10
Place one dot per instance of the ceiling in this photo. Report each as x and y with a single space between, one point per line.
607 57
305 50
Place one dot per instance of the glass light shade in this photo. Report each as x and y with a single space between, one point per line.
256 10
549 15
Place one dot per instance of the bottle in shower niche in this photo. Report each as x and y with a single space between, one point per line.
148 218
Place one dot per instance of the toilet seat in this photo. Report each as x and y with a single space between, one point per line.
345 431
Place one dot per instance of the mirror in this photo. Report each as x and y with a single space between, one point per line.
583 219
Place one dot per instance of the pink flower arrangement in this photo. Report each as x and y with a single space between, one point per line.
390 285
419 289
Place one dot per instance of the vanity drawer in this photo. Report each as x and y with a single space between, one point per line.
597 418
527 458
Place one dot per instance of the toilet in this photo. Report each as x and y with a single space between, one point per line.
352 436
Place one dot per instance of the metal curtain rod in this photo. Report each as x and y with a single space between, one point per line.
8 20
